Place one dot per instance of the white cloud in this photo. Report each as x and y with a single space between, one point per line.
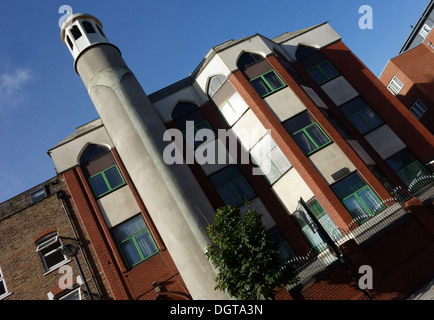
12 86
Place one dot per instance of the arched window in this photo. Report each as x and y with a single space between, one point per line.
215 83
248 58
187 111
101 170
182 109
100 31
76 33
88 27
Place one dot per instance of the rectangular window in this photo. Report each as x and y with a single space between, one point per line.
307 133
359 199
361 115
270 159
134 241
313 237
49 248
38 195
267 83
425 30
233 109
395 86
418 109
409 169
72 295
285 249
323 72
201 139
3 288
106 181
232 186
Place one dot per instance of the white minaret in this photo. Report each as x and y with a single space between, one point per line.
171 194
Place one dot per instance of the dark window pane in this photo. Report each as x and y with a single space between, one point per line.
243 189
360 123
247 59
114 177
370 199
273 80
260 86
76 33
317 75
401 159
317 135
348 185
93 151
182 109
328 69
129 228
229 196
130 252
54 258
99 186
88 27
224 176
356 209
304 142
353 106
2 288
298 122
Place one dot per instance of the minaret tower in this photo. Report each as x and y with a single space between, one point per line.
174 199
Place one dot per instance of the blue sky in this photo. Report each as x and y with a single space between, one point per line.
42 99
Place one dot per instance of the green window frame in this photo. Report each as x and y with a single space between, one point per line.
267 83
106 181
239 188
311 138
358 197
365 120
323 72
412 172
197 126
134 241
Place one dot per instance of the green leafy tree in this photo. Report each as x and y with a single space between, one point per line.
247 259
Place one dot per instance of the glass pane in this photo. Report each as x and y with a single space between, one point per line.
373 120
75 295
317 135
260 86
54 258
238 104
130 252
243 189
88 27
370 199
298 122
348 185
146 244
99 186
2 288
114 177
360 124
315 239
279 160
229 114
418 169
225 176
304 142
315 207
329 70
356 209
406 176
262 148
400 160
269 170
317 75
229 196
128 228
330 227
273 80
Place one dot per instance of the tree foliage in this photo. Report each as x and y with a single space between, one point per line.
247 259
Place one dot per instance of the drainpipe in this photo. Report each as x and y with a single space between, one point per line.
61 196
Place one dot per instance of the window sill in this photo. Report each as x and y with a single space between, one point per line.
56 267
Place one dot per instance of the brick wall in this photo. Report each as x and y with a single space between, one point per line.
20 227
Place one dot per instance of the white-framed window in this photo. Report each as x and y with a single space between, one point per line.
233 109
395 85
425 30
418 109
49 248
72 295
3 288
270 159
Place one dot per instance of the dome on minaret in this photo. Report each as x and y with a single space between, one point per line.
80 31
